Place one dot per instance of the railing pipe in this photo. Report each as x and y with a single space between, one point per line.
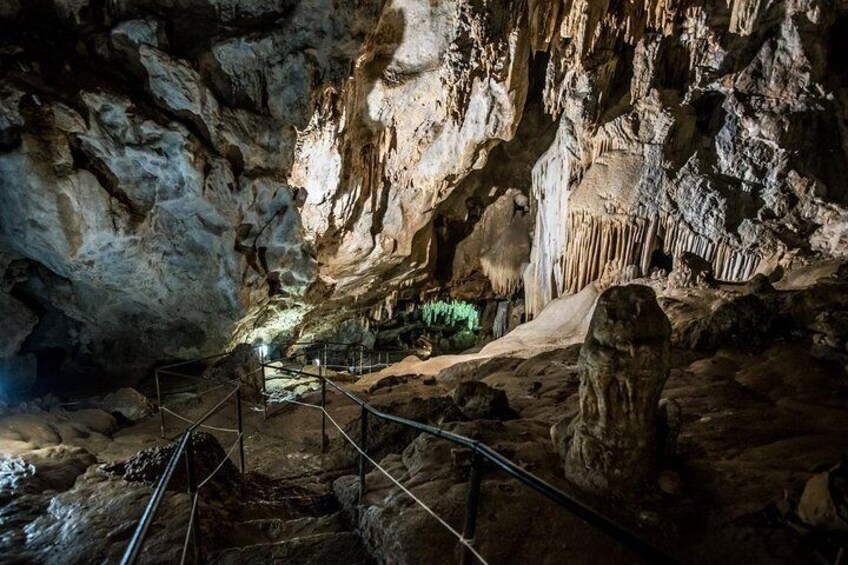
323 414
159 404
240 429
264 388
134 548
472 505
191 481
363 440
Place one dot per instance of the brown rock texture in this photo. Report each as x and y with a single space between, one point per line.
177 176
623 365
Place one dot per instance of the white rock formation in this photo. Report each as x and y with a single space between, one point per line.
177 177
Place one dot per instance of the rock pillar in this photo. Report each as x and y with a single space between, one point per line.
623 365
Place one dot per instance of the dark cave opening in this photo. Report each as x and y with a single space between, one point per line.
837 56
660 260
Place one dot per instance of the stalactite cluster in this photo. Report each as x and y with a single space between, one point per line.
730 264
504 262
595 240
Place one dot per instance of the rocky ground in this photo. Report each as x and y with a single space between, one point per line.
757 405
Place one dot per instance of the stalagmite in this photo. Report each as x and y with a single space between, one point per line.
501 323
624 364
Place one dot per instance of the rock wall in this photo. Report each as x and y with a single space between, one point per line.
178 175
709 127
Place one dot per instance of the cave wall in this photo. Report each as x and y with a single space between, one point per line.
175 176
680 129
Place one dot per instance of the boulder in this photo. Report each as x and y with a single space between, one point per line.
147 466
623 366
128 403
479 401
748 320
691 270
824 502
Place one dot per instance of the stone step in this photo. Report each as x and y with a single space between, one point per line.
274 530
316 549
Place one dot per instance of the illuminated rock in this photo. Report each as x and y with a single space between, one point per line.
623 364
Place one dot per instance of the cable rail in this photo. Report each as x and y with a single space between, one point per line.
183 447
183 450
479 451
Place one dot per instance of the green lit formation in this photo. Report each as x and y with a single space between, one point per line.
453 313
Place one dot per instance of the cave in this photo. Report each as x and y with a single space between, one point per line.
423 281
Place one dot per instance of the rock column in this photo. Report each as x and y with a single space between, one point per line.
624 364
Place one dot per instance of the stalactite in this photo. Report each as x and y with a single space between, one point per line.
503 263
596 241
730 264
544 276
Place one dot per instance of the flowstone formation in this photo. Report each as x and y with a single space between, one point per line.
623 364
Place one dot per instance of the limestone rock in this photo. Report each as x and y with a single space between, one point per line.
148 464
746 320
80 524
816 506
690 270
18 321
669 422
623 365
830 340
242 364
56 467
129 403
478 400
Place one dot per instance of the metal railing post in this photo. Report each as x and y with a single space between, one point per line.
159 405
192 492
240 430
322 374
264 390
363 439
472 504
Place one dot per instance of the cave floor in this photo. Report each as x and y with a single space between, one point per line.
755 427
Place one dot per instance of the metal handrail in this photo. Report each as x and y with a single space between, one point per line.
479 449
182 449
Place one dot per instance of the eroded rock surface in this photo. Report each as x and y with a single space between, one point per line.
624 364
174 176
